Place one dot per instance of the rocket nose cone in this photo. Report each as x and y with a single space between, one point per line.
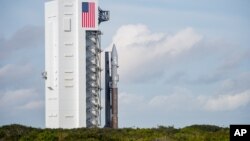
114 52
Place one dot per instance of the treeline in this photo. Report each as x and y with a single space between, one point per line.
191 133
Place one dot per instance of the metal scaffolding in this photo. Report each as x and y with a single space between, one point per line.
93 78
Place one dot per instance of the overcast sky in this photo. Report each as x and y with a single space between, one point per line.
182 62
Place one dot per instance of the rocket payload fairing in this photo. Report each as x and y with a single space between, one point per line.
111 89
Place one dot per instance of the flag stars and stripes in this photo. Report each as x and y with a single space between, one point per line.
88 15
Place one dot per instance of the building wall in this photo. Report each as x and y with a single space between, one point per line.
65 43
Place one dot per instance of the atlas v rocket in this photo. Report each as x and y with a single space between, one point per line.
73 65
111 90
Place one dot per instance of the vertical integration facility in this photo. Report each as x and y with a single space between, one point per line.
73 63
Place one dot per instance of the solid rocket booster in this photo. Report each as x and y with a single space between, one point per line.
114 89
107 91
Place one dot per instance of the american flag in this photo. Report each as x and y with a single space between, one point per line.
88 15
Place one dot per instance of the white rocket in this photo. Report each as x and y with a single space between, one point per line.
111 89
114 90
114 66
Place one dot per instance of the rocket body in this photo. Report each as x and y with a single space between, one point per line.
115 79
112 89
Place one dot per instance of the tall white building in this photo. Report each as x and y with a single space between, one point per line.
72 63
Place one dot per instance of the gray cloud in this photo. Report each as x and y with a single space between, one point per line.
21 85
13 98
23 106
235 84
11 73
29 37
233 60
193 79
228 102
182 107
146 55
